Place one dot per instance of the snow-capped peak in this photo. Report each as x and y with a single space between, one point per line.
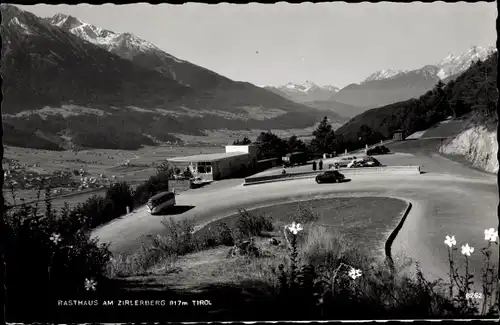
24 28
306 87
452 64
384 74
65 21
447 67
125 44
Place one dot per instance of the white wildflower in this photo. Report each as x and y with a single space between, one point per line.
90 284
467 250
450 241
354 273
490 235
55 238
295 228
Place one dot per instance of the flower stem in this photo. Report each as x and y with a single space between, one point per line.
450 259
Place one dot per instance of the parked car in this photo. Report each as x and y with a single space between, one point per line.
342 162
378 150
330 176
364 162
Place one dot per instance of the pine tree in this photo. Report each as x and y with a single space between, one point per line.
294 144
324 137
270 145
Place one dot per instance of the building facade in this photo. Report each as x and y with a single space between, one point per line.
237 159
397 135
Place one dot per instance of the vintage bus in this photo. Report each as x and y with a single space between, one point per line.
161 202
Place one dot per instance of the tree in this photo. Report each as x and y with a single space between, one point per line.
440 88
165 168
324 137
366 135
270 145
294 144
120 196
459 108
244 141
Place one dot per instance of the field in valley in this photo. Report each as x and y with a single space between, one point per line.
117 165
225 136
112 164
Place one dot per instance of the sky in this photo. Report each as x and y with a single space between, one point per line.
333 43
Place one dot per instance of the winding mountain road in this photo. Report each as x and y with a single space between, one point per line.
449 199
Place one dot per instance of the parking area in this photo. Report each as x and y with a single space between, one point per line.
303 168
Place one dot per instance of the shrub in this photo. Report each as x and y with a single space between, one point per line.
98 210
119 196
179 238
95 210
49 256
219 235
154 185
249 225
152 257
246 248
323 247
304 214
158 253
165 168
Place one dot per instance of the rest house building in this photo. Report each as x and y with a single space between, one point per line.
215 166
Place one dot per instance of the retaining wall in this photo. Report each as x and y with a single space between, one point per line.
179 185
393 170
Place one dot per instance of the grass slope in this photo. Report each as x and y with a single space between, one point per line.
365 220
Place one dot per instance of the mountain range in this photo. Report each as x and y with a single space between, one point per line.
305 92
71 84
383 87
313 95
474 92
68 83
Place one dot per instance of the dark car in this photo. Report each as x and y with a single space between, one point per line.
330 176
378 150
365 162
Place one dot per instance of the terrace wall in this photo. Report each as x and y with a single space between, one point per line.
179 185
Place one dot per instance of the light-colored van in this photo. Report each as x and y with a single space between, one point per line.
161 202
342 161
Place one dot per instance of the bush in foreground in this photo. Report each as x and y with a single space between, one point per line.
220 234
158 252
179 238
249 225
48 256
99 210
319 274
331 278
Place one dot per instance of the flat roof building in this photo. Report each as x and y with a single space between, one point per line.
236 159
397 135
207 157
